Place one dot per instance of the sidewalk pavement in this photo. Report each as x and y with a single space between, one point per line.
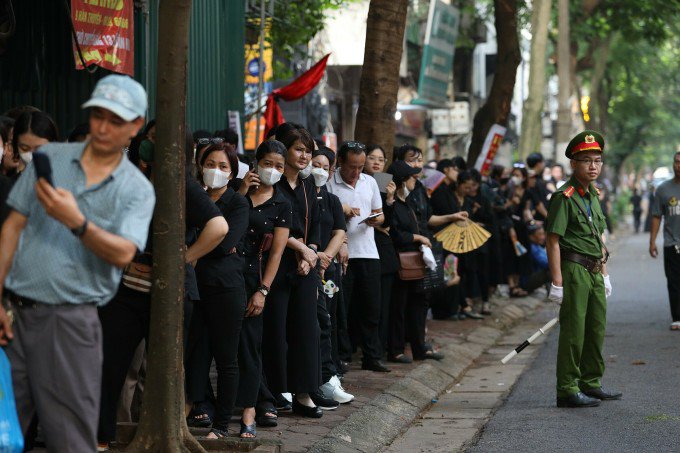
387 403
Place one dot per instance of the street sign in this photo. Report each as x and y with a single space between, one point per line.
453 121
440 45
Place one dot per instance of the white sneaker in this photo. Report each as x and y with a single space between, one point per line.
333 390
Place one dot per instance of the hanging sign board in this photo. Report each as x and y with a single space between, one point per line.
105 33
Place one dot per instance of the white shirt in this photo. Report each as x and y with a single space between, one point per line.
365 196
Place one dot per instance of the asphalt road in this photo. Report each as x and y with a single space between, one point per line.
643 361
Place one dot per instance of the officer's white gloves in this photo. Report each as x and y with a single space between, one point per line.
607 286
556 294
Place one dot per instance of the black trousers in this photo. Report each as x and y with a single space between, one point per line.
536 280
671 265
290 352
125 322
219 316
407 319
386 284
325 306
345 349
637 220
334 309
362 289
250 351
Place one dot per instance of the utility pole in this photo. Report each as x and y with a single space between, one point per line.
260 72
563 73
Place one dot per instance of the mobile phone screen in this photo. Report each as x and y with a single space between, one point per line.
43 168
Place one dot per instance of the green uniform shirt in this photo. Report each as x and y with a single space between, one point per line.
567 221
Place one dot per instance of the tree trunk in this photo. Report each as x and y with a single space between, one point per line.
162 426
532 125
380 73
497 107
564 66
595 109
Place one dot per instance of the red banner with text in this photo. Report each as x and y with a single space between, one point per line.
105 33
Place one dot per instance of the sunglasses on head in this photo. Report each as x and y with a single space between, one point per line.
213 141
355 145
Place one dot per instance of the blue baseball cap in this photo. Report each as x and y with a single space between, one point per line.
120 94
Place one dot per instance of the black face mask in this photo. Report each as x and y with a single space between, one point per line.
504 181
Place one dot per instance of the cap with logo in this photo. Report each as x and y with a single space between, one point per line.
121 95
585 141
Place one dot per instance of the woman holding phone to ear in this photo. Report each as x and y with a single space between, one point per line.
269 222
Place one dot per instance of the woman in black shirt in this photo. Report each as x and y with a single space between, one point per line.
131 307
407 310
389 261
262 247
222 290
290 352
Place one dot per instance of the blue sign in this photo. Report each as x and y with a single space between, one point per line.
254 67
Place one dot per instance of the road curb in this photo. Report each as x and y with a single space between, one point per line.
380 421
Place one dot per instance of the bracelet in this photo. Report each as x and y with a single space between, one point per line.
80 231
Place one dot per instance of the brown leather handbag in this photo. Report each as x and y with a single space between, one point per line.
411 265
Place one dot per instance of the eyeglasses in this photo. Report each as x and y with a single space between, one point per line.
589 162
518 165
354 145
214 141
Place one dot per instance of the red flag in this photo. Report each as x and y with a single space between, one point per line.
294 90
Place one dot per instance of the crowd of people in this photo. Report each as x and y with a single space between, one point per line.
295 260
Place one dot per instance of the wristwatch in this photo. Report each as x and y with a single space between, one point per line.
264 290
80 231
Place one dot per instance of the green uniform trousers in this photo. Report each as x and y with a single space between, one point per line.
583 317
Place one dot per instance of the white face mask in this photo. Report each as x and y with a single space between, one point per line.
215 178
516 180
26 157
320 176
306 172
269 176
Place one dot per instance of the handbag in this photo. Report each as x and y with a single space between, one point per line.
137 274
411 265
433 279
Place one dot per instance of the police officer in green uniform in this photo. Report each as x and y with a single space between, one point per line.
577 257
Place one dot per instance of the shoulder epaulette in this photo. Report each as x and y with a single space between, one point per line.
569 191
599 192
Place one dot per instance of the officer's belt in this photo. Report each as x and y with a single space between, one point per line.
591 264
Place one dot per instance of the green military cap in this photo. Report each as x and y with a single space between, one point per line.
585 141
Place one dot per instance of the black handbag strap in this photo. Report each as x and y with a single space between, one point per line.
594 231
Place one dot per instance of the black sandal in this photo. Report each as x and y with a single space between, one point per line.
221 434
198 420
248 429
268 419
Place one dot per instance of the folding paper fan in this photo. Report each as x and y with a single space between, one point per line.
463 237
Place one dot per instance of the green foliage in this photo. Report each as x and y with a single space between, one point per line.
294 24
644 88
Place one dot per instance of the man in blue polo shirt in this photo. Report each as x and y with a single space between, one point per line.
62 251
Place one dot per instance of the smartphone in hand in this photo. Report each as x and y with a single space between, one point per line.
372 216
43 168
